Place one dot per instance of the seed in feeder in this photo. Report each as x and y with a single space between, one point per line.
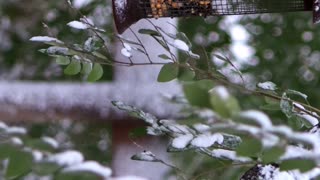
164 8
176 5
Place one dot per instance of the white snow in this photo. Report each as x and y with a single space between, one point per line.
16 130
126 52
127 46
267 171
67 158
90 166
3 125
180 45
81 3
201 127
267 86
45 39
78 25
182 141
52 142
258 117
207 140
37 155
146 156
221 91
312 120
16 141
230 155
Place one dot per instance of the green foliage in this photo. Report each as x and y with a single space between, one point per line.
168 72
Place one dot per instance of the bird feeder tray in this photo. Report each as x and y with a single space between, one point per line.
127 12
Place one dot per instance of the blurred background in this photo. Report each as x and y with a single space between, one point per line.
282 48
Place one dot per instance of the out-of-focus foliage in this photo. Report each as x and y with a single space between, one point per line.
33 154
20 20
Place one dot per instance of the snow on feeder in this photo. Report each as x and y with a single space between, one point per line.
127 12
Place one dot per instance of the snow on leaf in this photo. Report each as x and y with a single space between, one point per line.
78 25
126 52
267 86
90 166
258 117
52 142
207 140
228 155
201 127
145 156
180 45
182 141
221 91
67 158
135 112
15 130
46 39
310 119
56 50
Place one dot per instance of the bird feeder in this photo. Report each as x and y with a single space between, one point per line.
127 12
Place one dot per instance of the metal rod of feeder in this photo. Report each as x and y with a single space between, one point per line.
127 12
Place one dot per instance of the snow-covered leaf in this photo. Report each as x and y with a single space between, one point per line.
47 40
145 156
91 167
256 118
181 45
182 141
56 50
135 112
207 140
78 25
267 86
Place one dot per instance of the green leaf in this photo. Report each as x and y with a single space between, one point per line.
164 56
197 92
40 145
77 176
63 60
168 72
271 107
186 75
73 68
19 163
302 164
149 32
249 148
45 168
273 154
86 67
96 73
223 103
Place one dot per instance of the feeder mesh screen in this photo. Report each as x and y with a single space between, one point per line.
180 8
